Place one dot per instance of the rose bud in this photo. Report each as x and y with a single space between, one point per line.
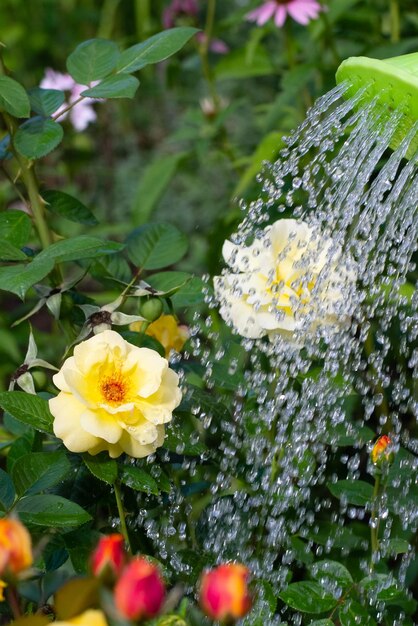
108 559
139 592
382 451
15 547
224 592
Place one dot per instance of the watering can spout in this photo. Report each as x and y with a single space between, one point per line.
391 83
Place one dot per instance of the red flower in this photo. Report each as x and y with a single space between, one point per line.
382 451
108 557
224 592
139 593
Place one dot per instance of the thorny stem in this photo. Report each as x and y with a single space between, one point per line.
122 518
374 522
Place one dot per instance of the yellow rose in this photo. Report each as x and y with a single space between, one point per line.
115 397
88 618
288 276
166 330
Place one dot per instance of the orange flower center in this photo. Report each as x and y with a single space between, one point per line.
114 388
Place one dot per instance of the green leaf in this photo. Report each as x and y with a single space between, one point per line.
39 471
37 137
27 408
15 227
9 252
117 86
13 97
322 622
331 571
308 597
301 550
75 597
51 511
154 246
155 49
92 60
136 478
45 101
64 205
385 589
19 278
397 546
102 467
7 491
190 289
353 614
183 440
355 492
154 181
77 248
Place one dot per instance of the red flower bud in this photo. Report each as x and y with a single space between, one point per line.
224 592
139 593
109 556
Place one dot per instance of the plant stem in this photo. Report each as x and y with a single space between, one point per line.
14 602
374 521
121 511
203 49
107 18
395 22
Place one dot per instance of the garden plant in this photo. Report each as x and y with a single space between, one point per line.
208 332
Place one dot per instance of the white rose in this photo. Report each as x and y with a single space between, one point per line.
287 280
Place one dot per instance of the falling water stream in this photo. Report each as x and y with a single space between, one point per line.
307 409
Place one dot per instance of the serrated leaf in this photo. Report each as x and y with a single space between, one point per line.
75 597
9 252
155 49
77 248
308 597
117 86
92 60
64 205
39 471
27 408
154 246
51 511
13 97
19 278
38 137
15 227
7 491
136 478
333 571
102 467
353 614
356 492
45 101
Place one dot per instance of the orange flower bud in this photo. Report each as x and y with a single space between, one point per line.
224 592
139 593
15 546
3 586
382 451
108 558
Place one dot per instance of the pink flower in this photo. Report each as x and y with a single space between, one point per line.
215 45
178 8
82 113
302 11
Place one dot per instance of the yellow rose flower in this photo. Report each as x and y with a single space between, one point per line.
88 618
115 397
289 275
166 330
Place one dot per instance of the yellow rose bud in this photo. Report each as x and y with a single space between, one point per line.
166 330
15 547
114 396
